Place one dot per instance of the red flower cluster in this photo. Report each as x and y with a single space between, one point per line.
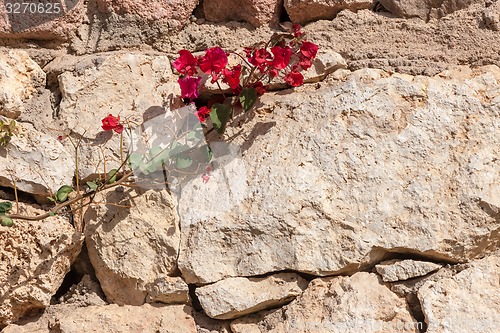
112 123
285 55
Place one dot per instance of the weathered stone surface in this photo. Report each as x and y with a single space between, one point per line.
110 318
235 297
304 11
396 162
425 9
168 290
132 86
467 302
255 12
134 249
87 292
359 303
41 20
327 61
399 270
492 16
170 11
35 257
20 77
38 163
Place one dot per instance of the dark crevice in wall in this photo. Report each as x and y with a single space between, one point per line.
195 302
284 17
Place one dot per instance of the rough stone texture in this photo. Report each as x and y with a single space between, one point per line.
177 11
168 290
327 61
359 303
20 77
130 85
364 38
205 324
492 16
399 270
38 163
255 12
407 164
235 297
134 249
408 289
425 9
87 292
34 259
304 11
110 318
467 302
51 20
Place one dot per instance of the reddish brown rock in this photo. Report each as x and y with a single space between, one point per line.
56 19
255 12
175 12
425 9
303 11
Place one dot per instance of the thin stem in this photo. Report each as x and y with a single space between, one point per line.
70 202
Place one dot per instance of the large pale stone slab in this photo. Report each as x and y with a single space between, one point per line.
110 318
34 259
359 303
130 85
333 175
235 297
134 249
466 302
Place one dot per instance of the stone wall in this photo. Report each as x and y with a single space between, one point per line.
367 200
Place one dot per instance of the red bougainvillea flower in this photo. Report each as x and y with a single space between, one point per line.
296 30
189 87
186 63
294 78
232 77
309 50
206 175
259 88
112 123
260 58
203 113
213 62
281 56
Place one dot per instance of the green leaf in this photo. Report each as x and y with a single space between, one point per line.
111 176
183 162
159 155
134 160
220 116
5 207
92 186
147 168
6 221
62 193
52 214
178 148
196 134
248 97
